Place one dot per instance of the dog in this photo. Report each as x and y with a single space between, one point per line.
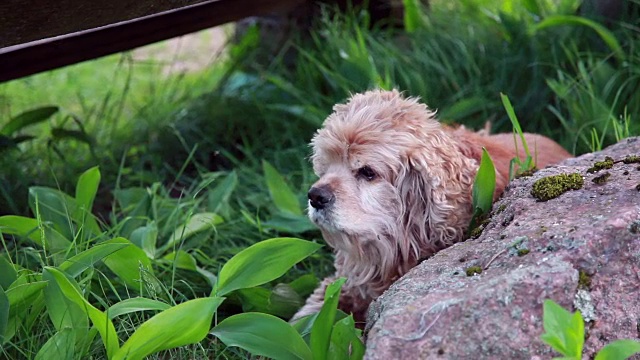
395 187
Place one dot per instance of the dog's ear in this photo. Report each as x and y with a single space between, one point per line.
435 190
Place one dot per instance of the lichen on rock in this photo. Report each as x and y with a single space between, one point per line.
553 186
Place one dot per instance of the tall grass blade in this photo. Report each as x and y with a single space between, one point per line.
563 20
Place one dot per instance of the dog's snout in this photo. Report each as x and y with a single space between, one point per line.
320 197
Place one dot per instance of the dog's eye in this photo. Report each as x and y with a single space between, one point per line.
366 173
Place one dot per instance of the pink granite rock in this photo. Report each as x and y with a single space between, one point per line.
581 249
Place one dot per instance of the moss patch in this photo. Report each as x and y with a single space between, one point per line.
599 165
523 252
631 159
500 209
553 186
584 280
601 179
526 173
473 270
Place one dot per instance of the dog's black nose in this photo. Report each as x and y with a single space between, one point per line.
320 197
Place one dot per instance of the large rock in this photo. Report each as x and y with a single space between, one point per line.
581 249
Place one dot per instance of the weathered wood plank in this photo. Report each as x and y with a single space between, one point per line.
120 33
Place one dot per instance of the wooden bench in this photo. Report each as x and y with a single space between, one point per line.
40 35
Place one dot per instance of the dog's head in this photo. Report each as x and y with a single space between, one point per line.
394 186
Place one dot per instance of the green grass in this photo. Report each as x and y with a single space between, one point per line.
197 167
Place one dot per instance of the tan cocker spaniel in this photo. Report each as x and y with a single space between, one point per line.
395 187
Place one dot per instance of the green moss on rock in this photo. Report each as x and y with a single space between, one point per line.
473 270
601 179
631 159
551 187
584 280
523 252
599 165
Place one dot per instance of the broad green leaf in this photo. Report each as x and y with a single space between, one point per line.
44 236
26 300
618 350
126 262
562 20
61 346
322 327
287 222
575 339
63 312
133 201
305 284
282 301
563 331
195 224
81 262
53 206
4 314
182 260
262 262
262 335
184 324
283 198
99 319
87 188
8 273
22 226
484 184
218 197
345 340
28 118
135 304
146 237
20 293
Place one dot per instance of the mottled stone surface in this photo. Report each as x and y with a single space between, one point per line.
437 311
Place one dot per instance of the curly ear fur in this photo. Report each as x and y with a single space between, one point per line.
436 191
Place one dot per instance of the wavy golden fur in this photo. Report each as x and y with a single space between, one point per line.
395 187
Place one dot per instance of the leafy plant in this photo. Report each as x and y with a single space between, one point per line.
564 332
67 232
484 187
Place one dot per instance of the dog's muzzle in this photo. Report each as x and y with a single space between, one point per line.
320 197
